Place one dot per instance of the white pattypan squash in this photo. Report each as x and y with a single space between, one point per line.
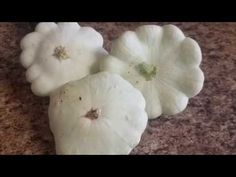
99 114
58 53
162 63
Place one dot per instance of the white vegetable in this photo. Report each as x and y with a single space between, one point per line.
162 63
99 114
58 53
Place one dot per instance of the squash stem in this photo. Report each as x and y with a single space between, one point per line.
61 53
93 114
147 70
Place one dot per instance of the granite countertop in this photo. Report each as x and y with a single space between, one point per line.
207 126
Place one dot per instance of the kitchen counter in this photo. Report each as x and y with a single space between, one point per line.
207 126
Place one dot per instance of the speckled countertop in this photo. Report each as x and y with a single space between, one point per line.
207 126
